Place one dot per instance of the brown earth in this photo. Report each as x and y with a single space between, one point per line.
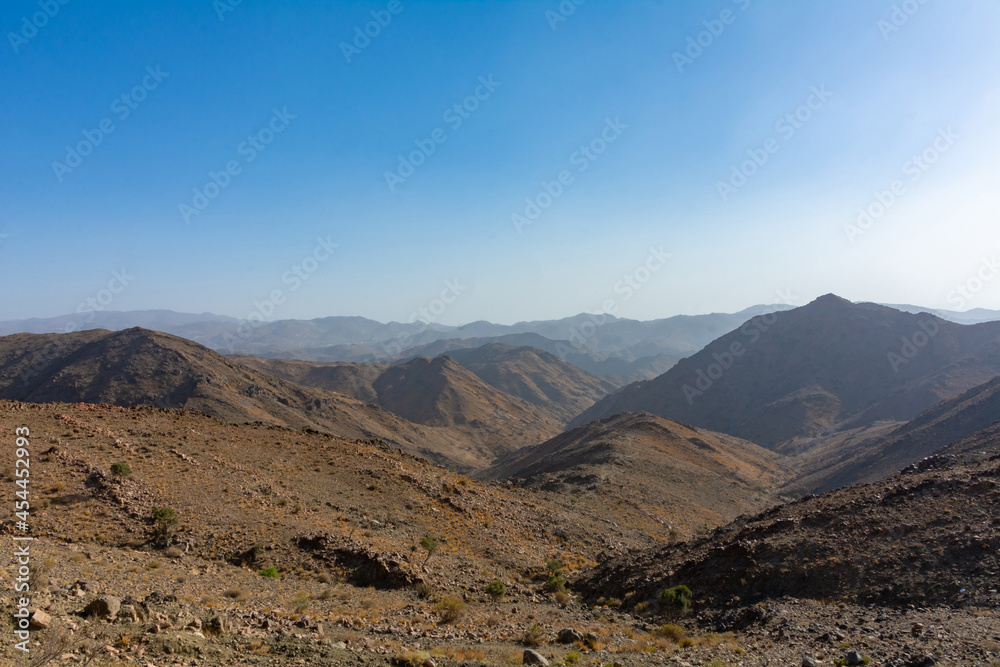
665 467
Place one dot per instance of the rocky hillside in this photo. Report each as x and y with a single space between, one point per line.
140 367
946 423
685 477
798 373
927 536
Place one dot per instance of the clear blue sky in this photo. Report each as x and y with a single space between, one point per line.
676 131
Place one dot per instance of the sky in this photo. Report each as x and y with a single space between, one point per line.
500 161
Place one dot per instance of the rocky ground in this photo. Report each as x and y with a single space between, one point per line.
343 524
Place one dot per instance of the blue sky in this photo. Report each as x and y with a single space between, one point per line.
895 80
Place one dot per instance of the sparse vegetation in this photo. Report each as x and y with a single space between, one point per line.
675 601
120 469
163 519
271 572
449 609
495 589
430 545
533 636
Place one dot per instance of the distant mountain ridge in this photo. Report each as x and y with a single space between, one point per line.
812 369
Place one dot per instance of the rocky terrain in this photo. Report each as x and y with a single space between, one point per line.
670 469
141 367
829 365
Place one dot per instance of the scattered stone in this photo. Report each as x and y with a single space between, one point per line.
917 629
533 658
127 614
854 658
569 636
105 606
40 620
809 661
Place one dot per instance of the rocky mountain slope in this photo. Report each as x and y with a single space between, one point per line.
803 372
670 469
927 536
140 367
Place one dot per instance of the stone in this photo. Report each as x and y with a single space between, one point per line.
809 661
569 636
127 614
534 658
854 658
105 606
40 620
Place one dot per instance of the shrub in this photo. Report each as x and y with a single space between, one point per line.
120 469
430 545
271 572
449 609
614 603
676 600
533 636
673 632
495 589
572 657
556 583
163 518
554 567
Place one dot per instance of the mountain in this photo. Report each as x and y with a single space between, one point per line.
972 316
439 392
941 426
159 320
535 376
801 373
140 367
924 537
684 476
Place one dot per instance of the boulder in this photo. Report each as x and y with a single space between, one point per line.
534 658
105 606
569 636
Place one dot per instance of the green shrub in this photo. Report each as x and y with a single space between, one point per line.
556 583
554 566
163 518
449 609
572 657
533 636
271 572
120 469
495 589
430 545
676 600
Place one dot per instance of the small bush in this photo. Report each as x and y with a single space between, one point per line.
423 590
450 609
687 642
271 572
533 636
676 600
673 632
572 657
496 589
556 583
120 469
614 603
163 518
412 658
554 567
430 545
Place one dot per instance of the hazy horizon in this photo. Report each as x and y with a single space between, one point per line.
521 161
